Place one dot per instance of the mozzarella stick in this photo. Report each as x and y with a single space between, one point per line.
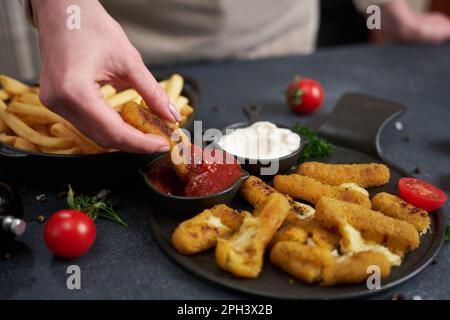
398 236
365 175
242 254
255 191
144 120
201 232
394 206
304 262
354 268
311 190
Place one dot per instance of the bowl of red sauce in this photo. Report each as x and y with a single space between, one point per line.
209 183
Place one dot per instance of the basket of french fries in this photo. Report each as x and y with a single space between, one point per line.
32 137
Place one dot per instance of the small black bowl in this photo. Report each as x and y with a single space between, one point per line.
256 166
189 206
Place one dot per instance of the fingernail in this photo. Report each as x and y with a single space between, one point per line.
174 111
163 148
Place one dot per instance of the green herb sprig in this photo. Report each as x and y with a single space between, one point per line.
316 148
98 206
447 233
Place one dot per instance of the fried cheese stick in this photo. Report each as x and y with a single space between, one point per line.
242 253
255 191
144 120
304 262
314 264
354 268
201 232
394 206
311 190
366 175
398 236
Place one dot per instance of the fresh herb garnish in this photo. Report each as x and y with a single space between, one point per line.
447 233
316 148
98 206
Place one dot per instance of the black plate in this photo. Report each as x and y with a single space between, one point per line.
273 282
36 169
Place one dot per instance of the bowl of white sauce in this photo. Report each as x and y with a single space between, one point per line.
263 148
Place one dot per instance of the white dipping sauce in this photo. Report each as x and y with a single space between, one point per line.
261 140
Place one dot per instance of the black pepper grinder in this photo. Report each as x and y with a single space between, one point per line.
11 213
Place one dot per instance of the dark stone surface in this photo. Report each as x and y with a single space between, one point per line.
127 264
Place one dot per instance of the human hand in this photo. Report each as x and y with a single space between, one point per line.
74 63
400 23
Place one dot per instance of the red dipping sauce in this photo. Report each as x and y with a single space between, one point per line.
206 178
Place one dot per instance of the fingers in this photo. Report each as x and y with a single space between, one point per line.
98 121
152 93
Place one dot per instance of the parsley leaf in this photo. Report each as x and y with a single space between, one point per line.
316 148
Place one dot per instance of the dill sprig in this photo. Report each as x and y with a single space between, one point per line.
98 206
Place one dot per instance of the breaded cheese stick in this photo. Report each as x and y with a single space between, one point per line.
304 262
144 120
242 253
353 269
366 175
311 190
394 206
255 191
201 232
398 236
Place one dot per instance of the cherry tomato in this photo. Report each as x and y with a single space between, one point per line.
69 233
421 194
304 95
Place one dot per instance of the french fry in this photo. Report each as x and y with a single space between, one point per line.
4 95
13 86
34 121
174 87
3 126
23 130
187 110
163 84
138 99
61 131
116 101
73 150
26 145
42 129
107 91
8 139
30 98
180 102
43 113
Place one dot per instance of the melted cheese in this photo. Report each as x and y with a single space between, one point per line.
353 242
354 187
246 233
308 211
215 222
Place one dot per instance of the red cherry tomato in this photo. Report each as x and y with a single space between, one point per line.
304 95
69 233
421 194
